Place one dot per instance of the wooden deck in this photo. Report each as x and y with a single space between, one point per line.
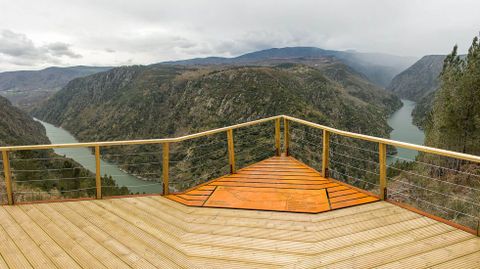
278 184
155 232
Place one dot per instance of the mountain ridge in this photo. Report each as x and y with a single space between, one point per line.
379 68
147 87
26 87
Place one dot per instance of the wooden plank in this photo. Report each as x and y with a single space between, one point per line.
127 252
3 263
469 261
292 200
277 177
10 252
438 255
354 202
276 181
29 249
193 197
81 238
143 227
206 188
78 253
57 255
399 251
344 198
279 186
200 192
337 193
126 233
348 255
280 173
184 201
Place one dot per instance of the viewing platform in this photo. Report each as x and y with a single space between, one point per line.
295 208
278 184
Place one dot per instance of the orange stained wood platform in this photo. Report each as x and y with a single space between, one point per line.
278 184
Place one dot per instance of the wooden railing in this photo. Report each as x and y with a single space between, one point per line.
277 120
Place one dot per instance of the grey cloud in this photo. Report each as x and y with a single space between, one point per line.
18 49
146 31
60 49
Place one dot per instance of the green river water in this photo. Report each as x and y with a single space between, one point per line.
404 130
400 121
85 157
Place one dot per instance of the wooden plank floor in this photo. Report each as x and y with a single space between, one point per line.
278 184
155 232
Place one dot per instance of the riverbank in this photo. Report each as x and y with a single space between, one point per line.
85 157
404 130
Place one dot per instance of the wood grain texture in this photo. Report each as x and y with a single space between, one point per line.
295 183
155 232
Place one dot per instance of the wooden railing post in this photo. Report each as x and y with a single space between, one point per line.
98 173
8 178
325 154
382 151
165 169
231 151
277 137
286 136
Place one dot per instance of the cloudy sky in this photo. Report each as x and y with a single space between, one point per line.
39 33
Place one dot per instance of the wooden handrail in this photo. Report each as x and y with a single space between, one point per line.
442 152
138 142
229 130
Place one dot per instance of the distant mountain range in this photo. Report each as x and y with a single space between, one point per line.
158 101
378 68
24 88
139 101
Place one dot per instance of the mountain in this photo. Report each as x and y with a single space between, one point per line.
418 80
31 168
378 68
18 128
140 102
156 101
24 88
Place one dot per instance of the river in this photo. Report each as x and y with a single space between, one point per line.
400 121
404 130
85 157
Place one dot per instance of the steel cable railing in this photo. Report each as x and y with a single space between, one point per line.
360 164
437 189
452 185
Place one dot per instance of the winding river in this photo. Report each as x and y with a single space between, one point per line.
400 121
404 130
85 157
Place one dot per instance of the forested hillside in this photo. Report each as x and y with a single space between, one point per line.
146 102
450 186
167 101
418 80
30 168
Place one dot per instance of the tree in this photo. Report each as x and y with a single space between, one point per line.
454 122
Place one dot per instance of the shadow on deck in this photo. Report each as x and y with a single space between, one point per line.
277 184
